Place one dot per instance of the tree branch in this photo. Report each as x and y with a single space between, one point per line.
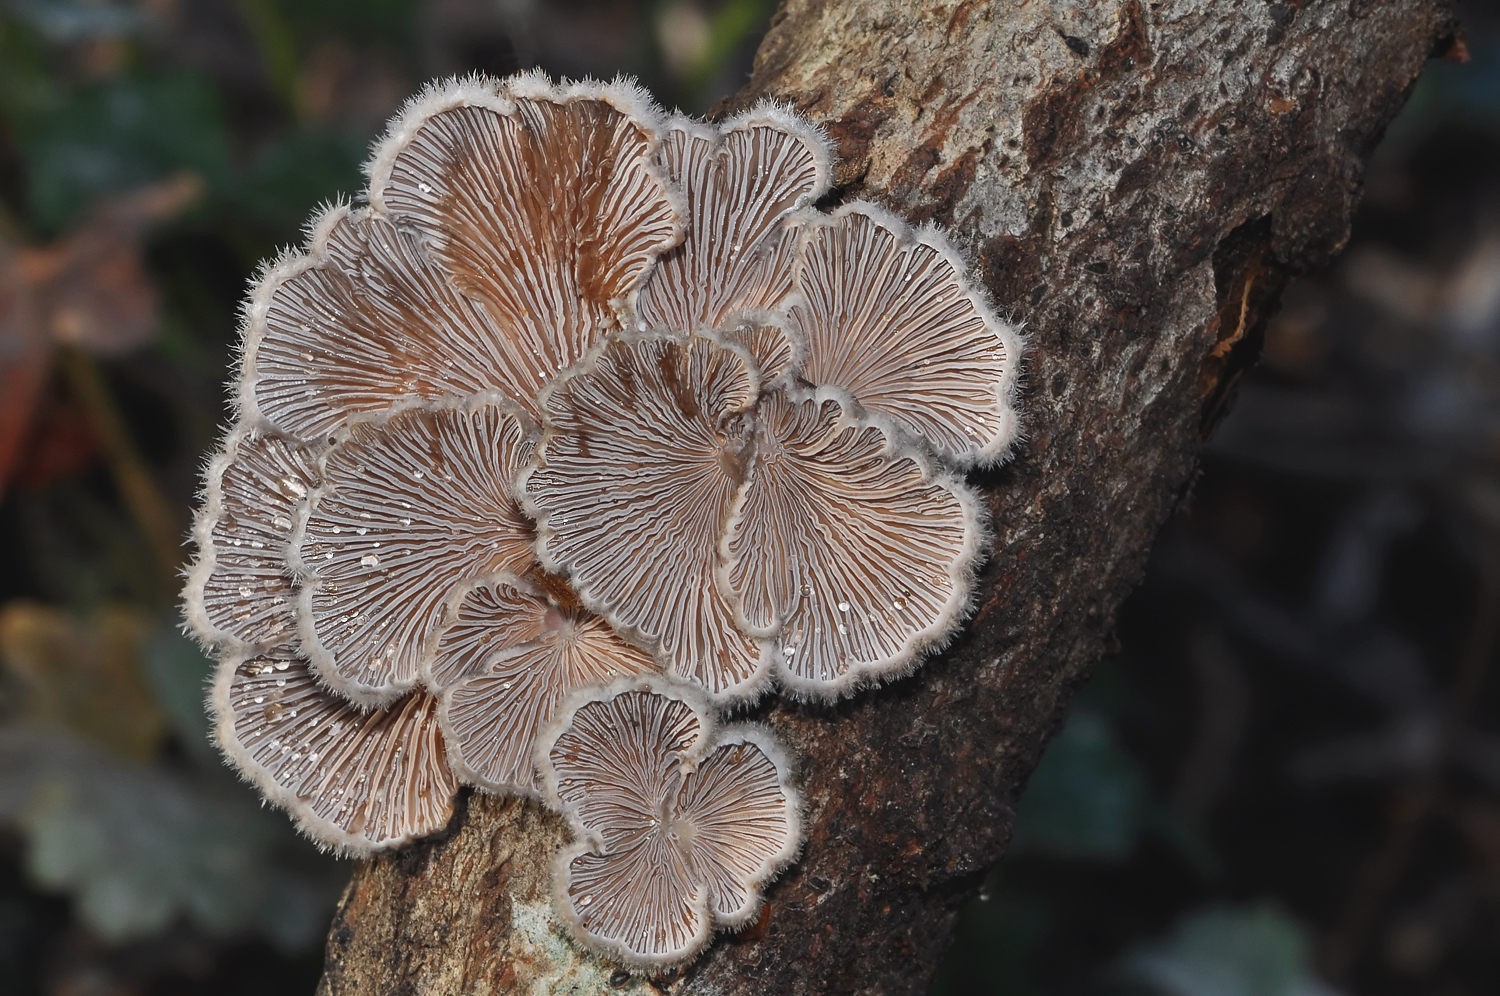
1136 182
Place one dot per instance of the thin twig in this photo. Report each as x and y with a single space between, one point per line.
143 499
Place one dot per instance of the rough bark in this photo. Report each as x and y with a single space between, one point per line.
1135 182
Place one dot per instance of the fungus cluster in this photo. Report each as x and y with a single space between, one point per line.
586 428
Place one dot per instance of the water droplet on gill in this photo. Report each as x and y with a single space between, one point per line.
405 522
418 474
335 529
843 630
369 560
843 606
362 530
586 901
282 523
280 682
259 699
424 188
282 665
327 556
246 591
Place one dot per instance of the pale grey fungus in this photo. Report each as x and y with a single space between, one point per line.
532 653
239 591
741 181
408 510
362 323
678 825
355 781
853 550
890 315
545 204
641 455
587 425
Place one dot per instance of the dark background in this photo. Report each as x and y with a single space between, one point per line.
1285 780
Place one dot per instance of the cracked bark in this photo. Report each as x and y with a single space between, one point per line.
1135 182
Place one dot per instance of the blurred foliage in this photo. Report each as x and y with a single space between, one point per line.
1087 798
1228 951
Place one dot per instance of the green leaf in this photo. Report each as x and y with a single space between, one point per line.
1229 951
1087 798
139 846
111 137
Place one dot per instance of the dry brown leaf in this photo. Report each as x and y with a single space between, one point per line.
83 673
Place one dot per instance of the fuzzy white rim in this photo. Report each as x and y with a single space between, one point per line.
329 836
960 571
997 449
711 738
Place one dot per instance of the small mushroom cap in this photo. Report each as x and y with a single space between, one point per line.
354 781
538 654
680 826
889 315
545 204
848 546
364 323
740 182
408 510
771 343
238 590
484 616
640 459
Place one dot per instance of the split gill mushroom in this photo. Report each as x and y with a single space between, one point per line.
588 426
679 825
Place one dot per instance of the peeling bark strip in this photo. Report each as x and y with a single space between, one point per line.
1136 181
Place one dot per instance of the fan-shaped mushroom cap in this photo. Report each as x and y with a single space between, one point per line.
538 654
847 545
543 203
483 616
888 315
641 455
358 782
740 181
363 323
679 826
408 510
238 590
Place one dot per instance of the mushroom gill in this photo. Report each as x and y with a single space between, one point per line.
850 548
358 781
239 591
531 654
889 315
588 425
679 826
639 462
407 512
